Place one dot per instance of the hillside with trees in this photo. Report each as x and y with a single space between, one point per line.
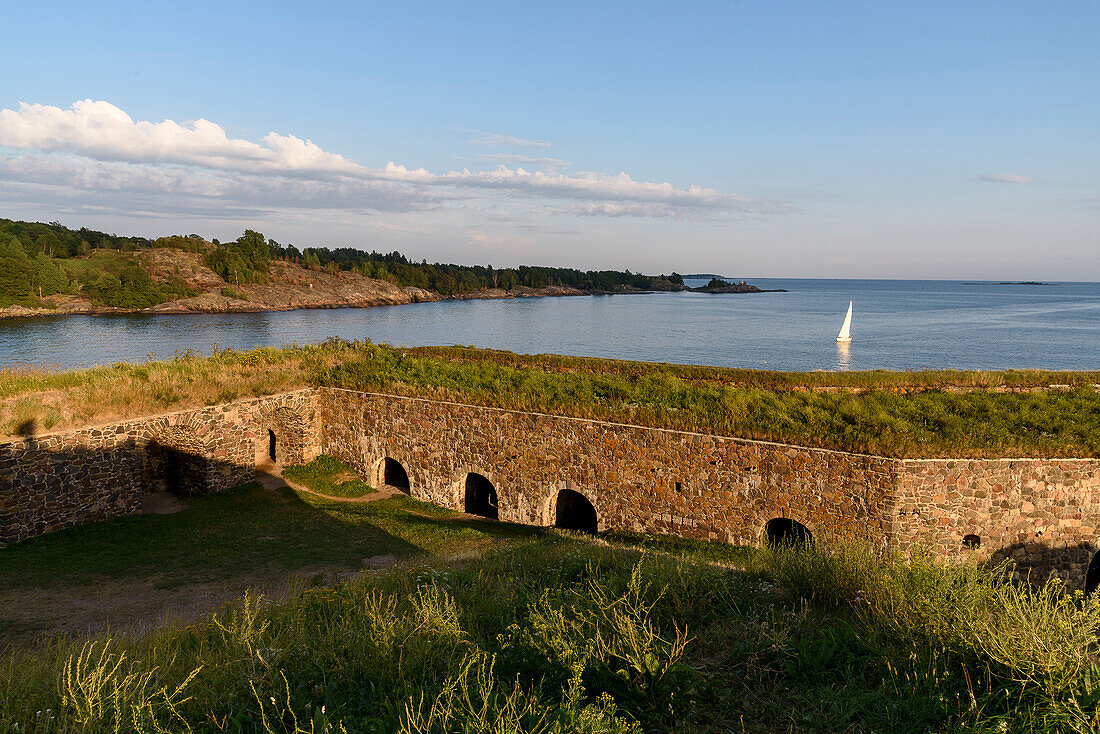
63 270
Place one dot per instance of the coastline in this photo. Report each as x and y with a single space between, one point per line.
296 297
209 303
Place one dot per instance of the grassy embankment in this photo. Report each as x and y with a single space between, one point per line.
933 413
549 632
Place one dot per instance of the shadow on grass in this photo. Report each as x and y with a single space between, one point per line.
247 531
242 533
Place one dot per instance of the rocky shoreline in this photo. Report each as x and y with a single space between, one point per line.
216 303
291 287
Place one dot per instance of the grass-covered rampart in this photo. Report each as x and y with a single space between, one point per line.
909 414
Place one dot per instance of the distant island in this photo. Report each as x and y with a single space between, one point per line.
1011 282
717 285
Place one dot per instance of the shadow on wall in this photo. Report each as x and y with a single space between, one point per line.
44 488
1078 565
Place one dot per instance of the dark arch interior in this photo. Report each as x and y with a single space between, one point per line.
481 497
1092 580
173 470
271 444
394 474
783 531
972 541
573 511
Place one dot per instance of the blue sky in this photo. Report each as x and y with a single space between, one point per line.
935 140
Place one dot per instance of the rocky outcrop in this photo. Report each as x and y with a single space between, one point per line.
721 286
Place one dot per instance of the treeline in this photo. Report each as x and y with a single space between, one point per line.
39 260
249 258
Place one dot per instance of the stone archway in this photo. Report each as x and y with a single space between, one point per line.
574 511
177 462
393 474
480 497
1092 576
783 531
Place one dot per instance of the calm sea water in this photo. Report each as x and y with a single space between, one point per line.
897 325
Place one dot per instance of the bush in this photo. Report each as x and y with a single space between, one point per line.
1017 646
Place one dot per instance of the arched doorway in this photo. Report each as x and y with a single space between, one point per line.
784 531
1092 578
481 497
174 470
573 511
271 441
394 475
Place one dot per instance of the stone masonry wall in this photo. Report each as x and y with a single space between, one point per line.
1043 514
57 480
637 478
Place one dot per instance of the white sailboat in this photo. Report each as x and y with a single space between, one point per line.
845 334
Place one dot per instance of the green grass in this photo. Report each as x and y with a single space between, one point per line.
695 550
216 548
905 414
924 423
565 634
233 533
329 476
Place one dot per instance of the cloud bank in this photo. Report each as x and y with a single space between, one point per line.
95 150
507 141
1009 178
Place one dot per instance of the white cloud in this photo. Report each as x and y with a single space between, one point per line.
95 147
523 160
102 131
492 140
1009 178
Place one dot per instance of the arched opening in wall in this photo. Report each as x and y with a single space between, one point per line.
972 541
271 441
481 497
784 531
1092 578
394 475
573 511
174 470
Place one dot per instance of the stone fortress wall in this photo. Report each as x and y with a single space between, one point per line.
553 470
54 481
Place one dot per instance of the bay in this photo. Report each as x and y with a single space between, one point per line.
898 324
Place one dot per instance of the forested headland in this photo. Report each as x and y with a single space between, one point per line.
39 261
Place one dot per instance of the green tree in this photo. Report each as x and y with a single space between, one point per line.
15 271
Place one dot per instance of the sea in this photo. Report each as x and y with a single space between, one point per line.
897 325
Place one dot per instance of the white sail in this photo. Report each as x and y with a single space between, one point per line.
845 334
